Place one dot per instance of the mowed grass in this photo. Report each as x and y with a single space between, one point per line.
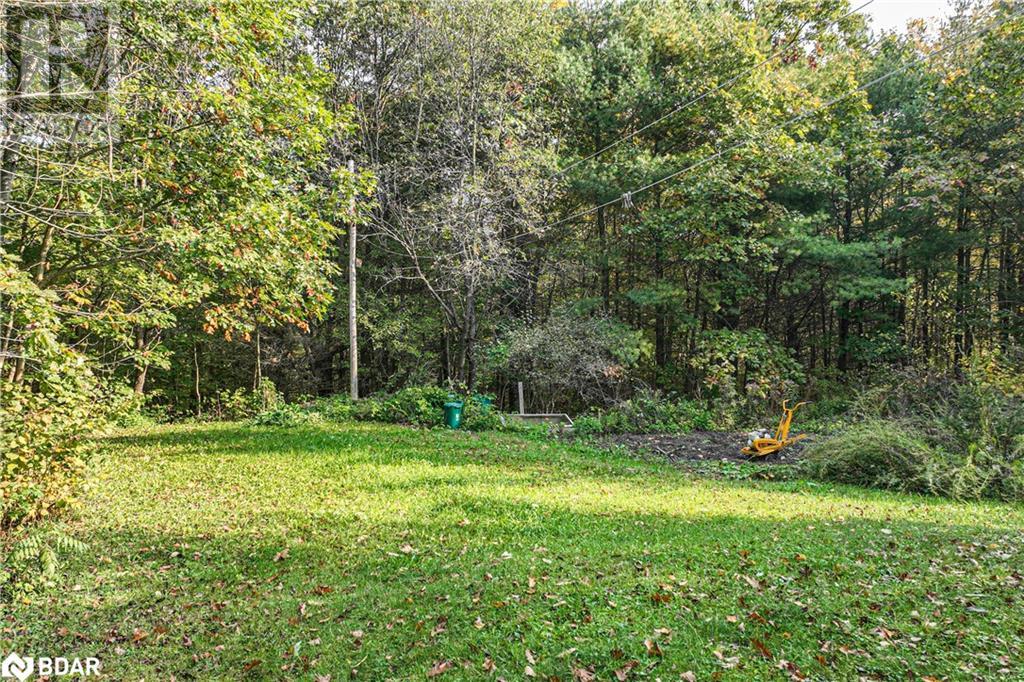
374 552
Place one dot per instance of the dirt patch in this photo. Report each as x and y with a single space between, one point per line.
701 446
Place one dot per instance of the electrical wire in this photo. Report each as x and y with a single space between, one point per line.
780 51
807 114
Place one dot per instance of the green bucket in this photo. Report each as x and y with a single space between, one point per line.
453 414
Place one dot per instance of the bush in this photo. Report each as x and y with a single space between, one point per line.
647 412
285 415
891 455
959 436
336 408
47 412
570 359
416 405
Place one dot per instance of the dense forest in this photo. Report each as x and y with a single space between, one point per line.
729 201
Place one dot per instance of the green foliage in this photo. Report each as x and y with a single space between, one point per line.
960 436
47 413
416 405
335 408
744 372
33 563
286 415
570 359
244 403
878 453
647 412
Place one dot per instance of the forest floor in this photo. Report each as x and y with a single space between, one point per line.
379 552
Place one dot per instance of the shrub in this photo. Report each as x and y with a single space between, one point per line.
570 359
956 435
891 455
742 372
647 412
285 414
336 408
244 403
47 411
417 405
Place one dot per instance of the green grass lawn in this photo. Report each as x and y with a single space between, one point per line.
375 552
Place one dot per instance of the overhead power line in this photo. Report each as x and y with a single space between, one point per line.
707 93
628 195
683 106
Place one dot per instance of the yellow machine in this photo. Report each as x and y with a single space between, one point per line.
759 447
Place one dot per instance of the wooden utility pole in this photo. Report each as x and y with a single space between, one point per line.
353 343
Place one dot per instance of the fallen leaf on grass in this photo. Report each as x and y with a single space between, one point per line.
528 671
440 668
652 647
139 635
762 649
582 675
753 582
280 556
727 661
688 676
622 674
479 623
252 664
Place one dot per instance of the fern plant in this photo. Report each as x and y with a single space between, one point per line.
35 562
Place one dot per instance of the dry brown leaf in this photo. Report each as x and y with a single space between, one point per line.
688 676
761 648
582 675
252 664
652 647
622 674
528 671
440 668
